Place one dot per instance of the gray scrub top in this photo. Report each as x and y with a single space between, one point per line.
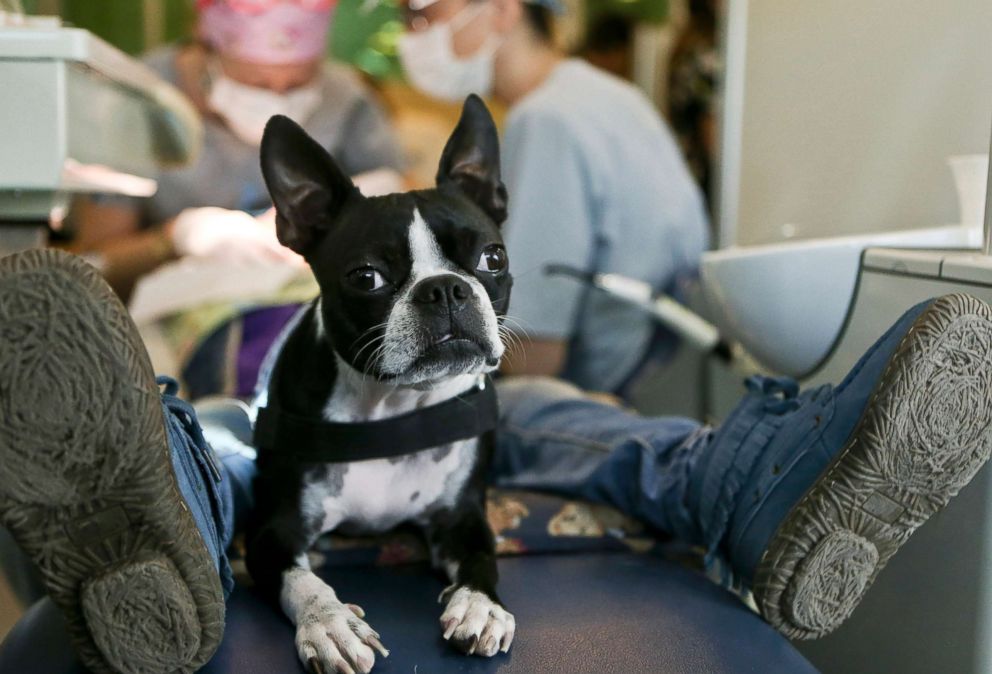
595 180
349 123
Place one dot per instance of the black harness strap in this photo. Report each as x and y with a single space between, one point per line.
309 440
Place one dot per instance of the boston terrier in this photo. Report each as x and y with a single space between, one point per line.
413 289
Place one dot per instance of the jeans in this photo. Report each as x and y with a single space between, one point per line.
227 427
553 437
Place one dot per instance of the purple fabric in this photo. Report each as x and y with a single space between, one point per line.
259 329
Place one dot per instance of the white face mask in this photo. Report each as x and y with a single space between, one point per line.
246 109
430 62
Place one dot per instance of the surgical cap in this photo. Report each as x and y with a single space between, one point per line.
266 31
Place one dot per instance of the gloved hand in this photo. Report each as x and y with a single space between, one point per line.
228 235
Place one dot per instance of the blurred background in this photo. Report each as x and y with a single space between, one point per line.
632 38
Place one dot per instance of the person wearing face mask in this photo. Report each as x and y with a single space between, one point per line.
595 178
252 59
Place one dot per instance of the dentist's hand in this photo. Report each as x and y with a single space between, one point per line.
228 235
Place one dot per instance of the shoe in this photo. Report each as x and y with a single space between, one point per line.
90 451
855 469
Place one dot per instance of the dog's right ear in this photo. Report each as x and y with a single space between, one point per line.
307 187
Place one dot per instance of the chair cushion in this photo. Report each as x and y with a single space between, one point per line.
594 612
523 522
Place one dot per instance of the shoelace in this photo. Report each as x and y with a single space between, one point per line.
182 421
782 393
779 396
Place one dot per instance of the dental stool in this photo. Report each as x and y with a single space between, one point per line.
585 600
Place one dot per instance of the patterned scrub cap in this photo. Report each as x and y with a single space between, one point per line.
555 6
267 31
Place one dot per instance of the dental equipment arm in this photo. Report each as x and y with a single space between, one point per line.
699 333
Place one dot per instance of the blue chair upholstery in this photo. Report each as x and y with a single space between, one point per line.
594 612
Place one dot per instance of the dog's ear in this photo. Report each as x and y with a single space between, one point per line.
471 159
307 187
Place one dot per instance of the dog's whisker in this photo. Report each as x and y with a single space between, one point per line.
374 340
513 341
380 353
513 346
366 332
517 329
373 359
512 350
521 330
509 340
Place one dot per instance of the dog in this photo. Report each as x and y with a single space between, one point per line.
413 289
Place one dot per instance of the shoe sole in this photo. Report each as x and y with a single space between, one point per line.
925 433
88 488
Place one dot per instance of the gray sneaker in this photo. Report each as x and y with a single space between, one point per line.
90 452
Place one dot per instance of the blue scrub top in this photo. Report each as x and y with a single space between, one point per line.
596 181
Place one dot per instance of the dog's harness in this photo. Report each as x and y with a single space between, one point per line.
310 440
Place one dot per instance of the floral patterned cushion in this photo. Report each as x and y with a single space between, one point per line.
523 522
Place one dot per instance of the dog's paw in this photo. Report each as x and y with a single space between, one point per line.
475 624
332 638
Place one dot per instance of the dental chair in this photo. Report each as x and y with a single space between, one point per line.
588 612
592 591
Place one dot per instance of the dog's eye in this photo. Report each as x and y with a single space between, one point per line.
493 260
367 279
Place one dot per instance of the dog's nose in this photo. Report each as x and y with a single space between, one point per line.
445 291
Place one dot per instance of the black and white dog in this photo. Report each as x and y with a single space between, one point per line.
412 291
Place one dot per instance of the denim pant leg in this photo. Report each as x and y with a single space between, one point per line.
553 437
19 572
227 427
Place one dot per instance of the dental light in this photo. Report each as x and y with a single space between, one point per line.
79 116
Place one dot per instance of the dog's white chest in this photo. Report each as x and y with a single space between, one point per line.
376 495
372 496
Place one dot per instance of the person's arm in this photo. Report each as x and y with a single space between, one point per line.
550 221
124 254
109 233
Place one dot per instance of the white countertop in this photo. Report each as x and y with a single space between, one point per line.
970 266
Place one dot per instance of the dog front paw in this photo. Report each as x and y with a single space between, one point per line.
333 638
476 624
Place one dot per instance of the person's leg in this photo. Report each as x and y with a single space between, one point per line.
16 569
805 496
107 483
227 426
808 496
554 437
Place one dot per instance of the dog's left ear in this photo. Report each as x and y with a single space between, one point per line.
471 160
307 187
